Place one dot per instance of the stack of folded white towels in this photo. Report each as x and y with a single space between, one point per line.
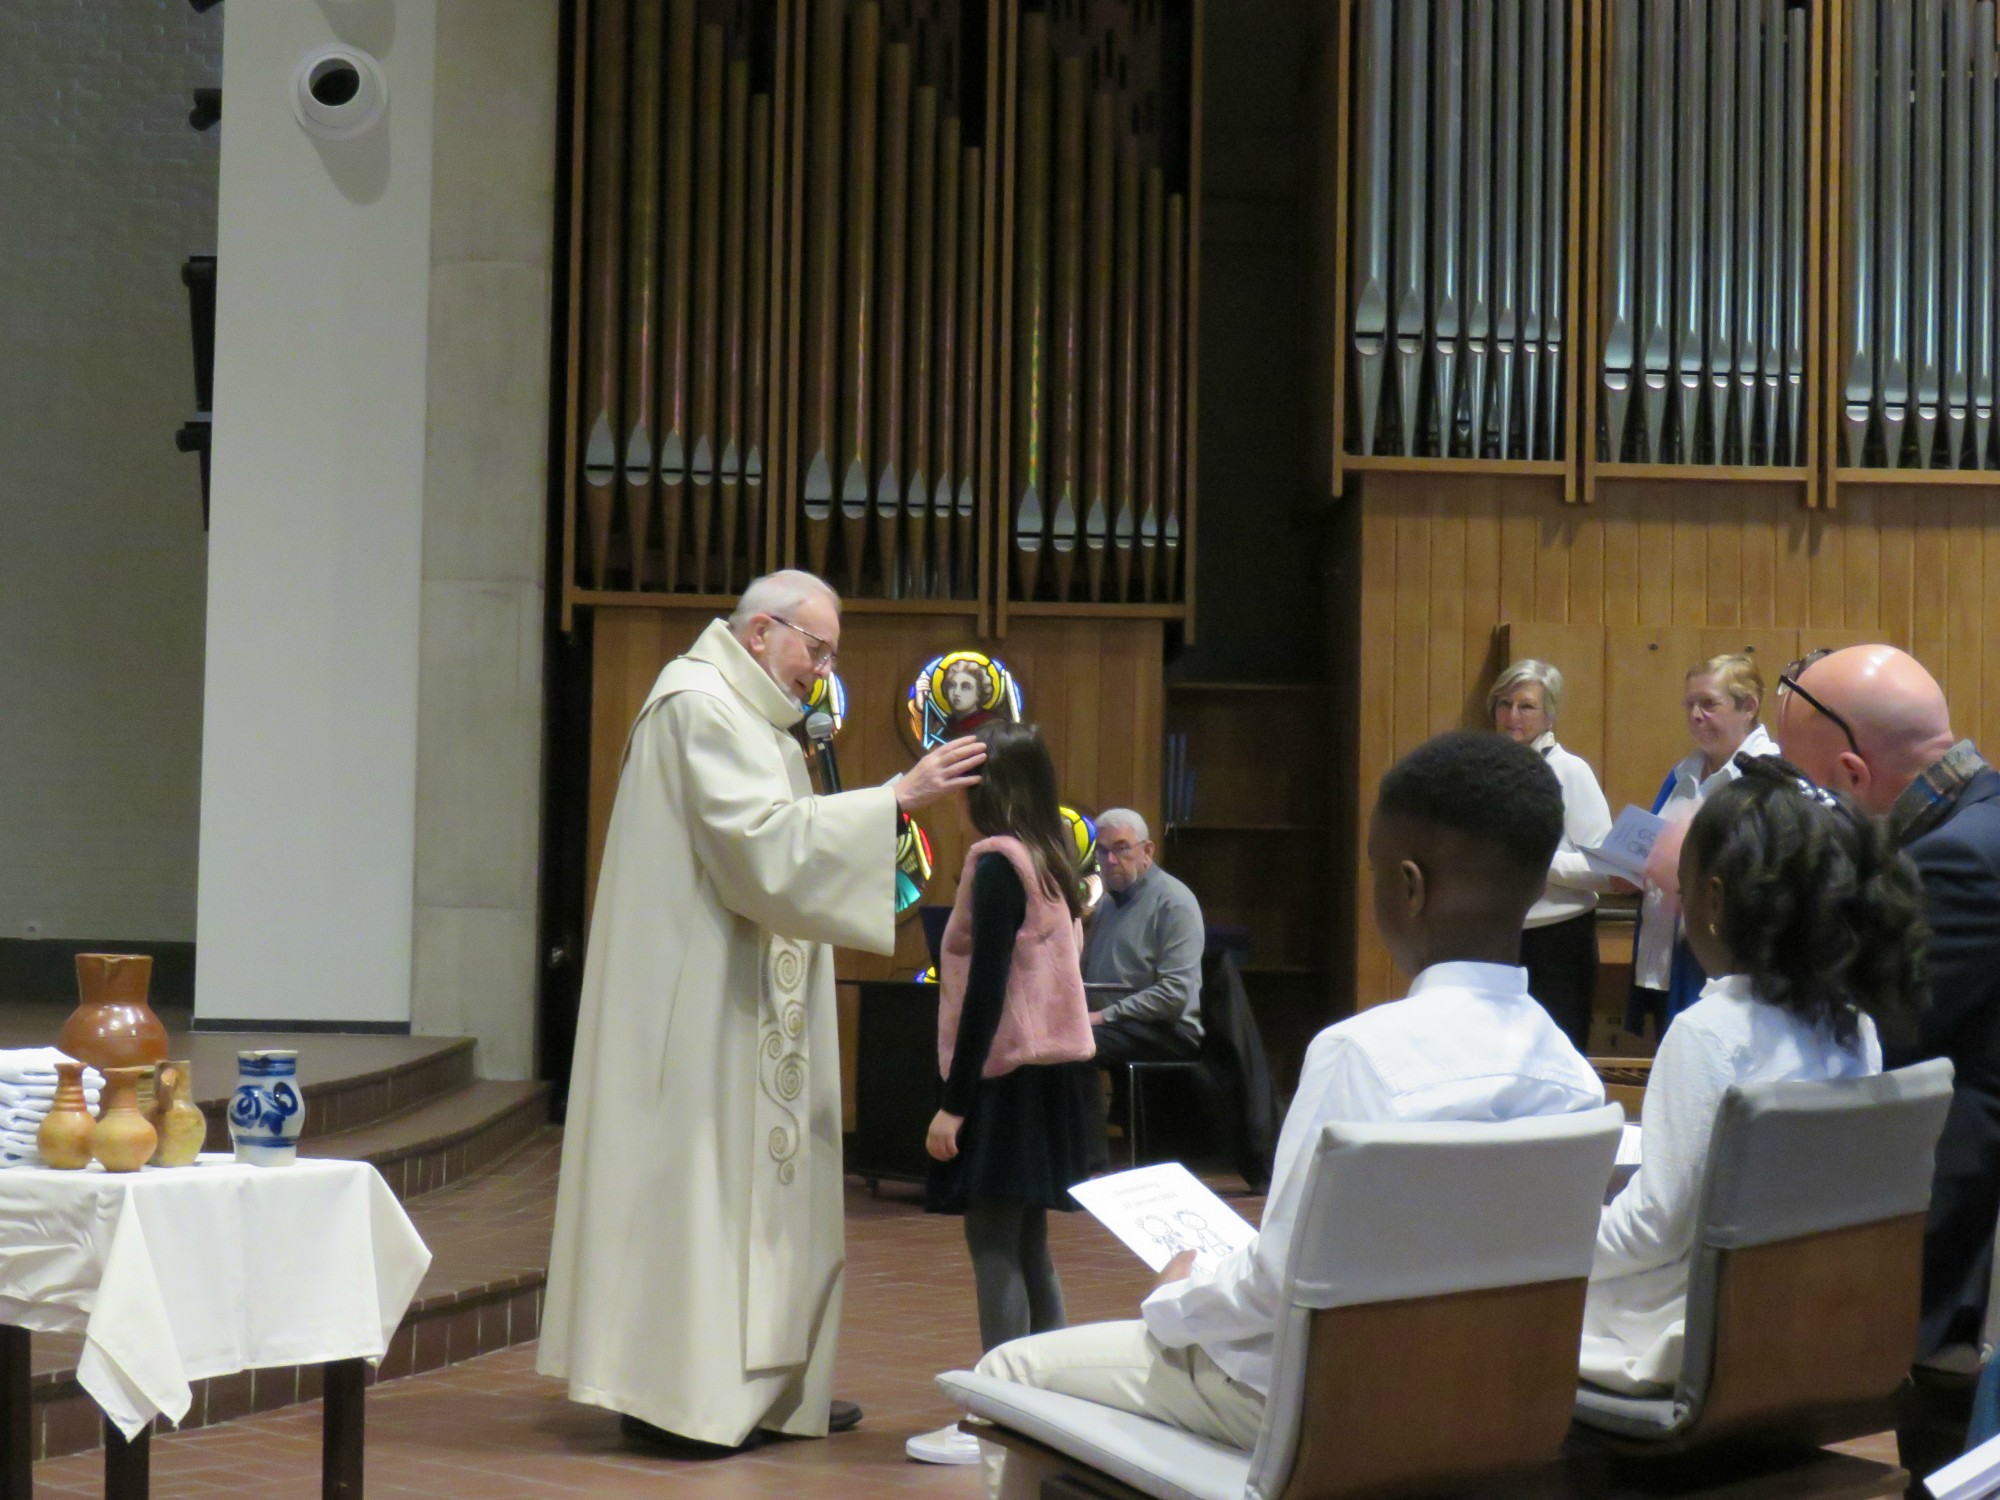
27 1090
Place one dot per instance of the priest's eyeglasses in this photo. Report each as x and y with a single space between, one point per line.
1788 682
822 653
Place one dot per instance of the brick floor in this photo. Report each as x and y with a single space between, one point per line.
491 1427
489 1241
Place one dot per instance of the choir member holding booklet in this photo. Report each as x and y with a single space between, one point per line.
1559 942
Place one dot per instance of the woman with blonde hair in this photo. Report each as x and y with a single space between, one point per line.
1559 941
1721 698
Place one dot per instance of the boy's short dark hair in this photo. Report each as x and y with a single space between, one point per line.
1484 787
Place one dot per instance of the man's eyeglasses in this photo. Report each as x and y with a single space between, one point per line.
1788 682
822 653
1124 848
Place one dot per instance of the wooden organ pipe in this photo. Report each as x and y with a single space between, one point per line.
1173 375
1031 261
1065 373
893 202
604 278
1097 359
755 333
864 59
942 495
642 227
822 360
971 187
1154 211
736 152
916 403
1125 381
707 297
678 209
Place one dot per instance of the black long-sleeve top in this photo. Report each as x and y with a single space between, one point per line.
999 907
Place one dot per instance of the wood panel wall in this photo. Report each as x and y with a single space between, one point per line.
1094 686
1671 565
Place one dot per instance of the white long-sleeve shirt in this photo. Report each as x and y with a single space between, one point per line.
1653 943
1635 1312
1469 1043
1573 886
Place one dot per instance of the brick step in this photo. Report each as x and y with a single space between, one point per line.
489 1239
443 1140
340 1095
348 1081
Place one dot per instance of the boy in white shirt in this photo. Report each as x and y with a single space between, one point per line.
1459 846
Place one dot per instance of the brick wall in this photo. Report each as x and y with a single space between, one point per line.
104 190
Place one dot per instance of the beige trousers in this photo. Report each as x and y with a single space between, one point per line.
1123 1366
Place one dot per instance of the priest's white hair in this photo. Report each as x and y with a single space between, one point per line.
779 594
1123 817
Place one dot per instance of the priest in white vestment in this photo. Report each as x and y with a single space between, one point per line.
695 1279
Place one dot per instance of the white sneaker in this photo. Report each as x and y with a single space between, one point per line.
945 1446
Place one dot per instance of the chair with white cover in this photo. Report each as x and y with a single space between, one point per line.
1803 1293
1431 1314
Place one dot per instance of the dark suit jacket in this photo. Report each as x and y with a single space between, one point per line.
1959 863
1235 1074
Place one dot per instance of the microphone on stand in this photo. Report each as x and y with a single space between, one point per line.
819 729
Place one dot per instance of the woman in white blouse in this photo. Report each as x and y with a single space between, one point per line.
1559 940
1811 923
1721 698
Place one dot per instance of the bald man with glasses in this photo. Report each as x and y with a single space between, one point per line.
1871 722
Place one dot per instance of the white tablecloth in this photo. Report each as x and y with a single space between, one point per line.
174 1275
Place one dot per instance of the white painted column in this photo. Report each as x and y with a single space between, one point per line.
309 753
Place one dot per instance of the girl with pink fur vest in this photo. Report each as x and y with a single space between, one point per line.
1019 1121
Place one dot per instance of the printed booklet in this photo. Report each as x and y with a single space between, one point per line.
1161 1210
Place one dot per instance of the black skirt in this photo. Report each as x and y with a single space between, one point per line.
1561 960
1030 1134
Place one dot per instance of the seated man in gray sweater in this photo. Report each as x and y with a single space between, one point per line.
1146 936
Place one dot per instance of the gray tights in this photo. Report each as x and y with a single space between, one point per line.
1018 1290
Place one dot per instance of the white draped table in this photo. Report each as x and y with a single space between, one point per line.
184 1274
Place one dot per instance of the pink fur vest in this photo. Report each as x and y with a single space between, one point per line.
1045 1019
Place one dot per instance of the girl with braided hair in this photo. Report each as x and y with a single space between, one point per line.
1811 922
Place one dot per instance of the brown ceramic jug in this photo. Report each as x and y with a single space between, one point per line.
181 1124
64 1136
123 1140
112 1026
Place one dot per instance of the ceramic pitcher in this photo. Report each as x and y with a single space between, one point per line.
112 1026
182 1125
266 1112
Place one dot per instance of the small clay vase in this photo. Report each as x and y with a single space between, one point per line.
182 1126
123 1140
112 1026
64 1136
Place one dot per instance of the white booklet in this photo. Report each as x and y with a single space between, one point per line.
1968 1476
1628 1145
1161 1210
1626 848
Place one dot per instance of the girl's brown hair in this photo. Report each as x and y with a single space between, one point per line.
1016 794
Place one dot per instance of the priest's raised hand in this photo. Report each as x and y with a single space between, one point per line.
952 767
